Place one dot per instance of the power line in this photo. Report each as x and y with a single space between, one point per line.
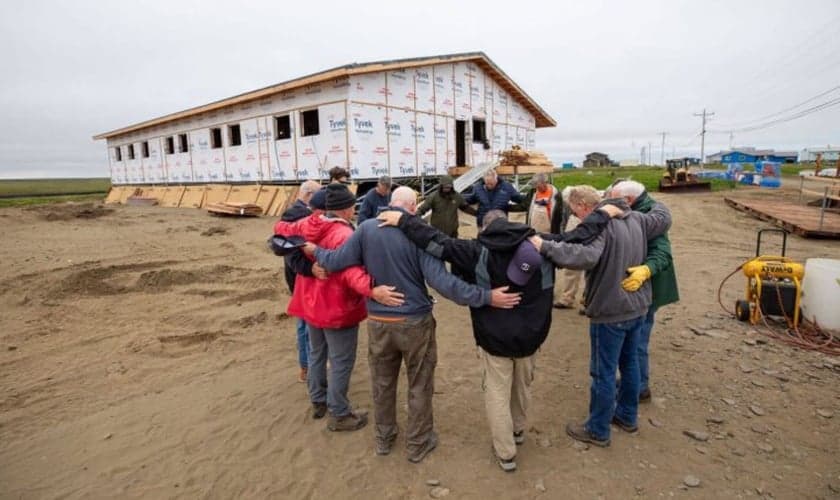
791 108
800 114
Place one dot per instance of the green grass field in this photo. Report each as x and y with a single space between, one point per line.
18 192
600 178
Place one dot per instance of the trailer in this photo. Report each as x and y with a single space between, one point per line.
406 118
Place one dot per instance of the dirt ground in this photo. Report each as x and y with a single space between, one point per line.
145 353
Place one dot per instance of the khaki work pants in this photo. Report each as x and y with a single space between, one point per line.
412 341
569 279
507 394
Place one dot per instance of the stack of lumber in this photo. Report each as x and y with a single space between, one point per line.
517 156
232 208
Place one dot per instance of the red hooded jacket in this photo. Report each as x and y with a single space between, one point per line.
338 301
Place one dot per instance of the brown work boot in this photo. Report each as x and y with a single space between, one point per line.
353 421
384 446
424 450
319 410
582 434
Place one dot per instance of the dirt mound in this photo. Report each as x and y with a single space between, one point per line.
70 211
91 282
166 278
249 321
212 230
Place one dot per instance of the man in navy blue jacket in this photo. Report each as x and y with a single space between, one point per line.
296 263
405 332
493 194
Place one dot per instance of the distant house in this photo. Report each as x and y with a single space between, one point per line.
752 155
828 154
596 159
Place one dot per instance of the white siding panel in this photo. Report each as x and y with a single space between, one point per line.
401 89
424 90
401 144
317 154
368 141
461 88
368 88
477 102
444 95
424 134
441 162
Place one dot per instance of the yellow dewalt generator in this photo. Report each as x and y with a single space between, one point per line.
774 285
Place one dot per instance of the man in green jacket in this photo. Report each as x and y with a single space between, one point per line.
444 204
658 267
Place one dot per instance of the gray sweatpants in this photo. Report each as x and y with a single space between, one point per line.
339 346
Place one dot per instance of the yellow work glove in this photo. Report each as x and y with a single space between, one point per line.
638 276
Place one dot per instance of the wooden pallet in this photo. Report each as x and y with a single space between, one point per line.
799 219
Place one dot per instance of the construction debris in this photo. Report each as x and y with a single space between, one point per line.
231 208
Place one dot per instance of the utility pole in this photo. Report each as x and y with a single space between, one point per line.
650 153
731 136
663 134
704 114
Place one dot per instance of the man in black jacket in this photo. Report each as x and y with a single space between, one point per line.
296 263
508 339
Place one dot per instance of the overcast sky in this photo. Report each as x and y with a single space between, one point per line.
613 74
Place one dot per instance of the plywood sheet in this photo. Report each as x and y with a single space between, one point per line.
171 196
128 191
114 194
153 192
266 197
243 194
215 193
193 197
279 199
286 197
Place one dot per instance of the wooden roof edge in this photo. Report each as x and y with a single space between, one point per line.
541 118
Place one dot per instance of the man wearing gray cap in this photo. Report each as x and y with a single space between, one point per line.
379 196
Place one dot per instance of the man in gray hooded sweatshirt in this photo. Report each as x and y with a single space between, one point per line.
616 316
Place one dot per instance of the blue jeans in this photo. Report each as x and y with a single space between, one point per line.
302 343
613 345
644 339
339 346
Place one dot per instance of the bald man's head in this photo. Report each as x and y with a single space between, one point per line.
404 197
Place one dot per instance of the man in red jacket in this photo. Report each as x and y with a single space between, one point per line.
333 309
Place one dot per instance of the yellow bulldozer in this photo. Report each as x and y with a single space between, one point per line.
678 178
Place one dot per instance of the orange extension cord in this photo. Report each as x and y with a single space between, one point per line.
806 336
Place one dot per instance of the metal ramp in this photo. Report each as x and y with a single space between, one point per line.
474 174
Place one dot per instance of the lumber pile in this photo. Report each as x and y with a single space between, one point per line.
233 208
516 157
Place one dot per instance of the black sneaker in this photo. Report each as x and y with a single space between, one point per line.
579 432
319 410
430 445
644 396
519 437
632 429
